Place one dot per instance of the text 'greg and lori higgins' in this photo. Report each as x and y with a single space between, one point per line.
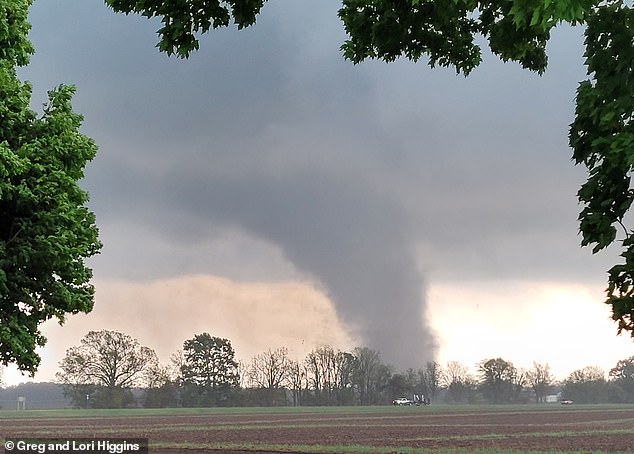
76 446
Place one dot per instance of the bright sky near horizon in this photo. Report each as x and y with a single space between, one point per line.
269 192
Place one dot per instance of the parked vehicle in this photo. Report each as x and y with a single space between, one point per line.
402 401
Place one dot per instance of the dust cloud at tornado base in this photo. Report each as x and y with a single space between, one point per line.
353 242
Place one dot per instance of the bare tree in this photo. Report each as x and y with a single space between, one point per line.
540 380
330 374
459 382
243 375
269 372
109 360
586 385
368 374
320 364
430 379
344 364
177 360
270 369
454 372
586 374
161 387
297 381
315 374
157 375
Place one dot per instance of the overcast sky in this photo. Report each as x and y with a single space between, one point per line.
267 191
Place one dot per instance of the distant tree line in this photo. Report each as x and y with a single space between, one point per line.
112 370
35 396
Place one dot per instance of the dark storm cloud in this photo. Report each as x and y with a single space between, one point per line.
348 237
265 146
356 175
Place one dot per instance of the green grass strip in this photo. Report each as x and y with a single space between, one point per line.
435 410
354 448
504 436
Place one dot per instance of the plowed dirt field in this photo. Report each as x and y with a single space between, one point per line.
355 429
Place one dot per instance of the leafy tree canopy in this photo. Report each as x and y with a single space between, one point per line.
445 32
46 231
183 20
602 139
209 368
624 369
499 380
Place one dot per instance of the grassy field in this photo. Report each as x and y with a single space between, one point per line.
378 409
434 429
